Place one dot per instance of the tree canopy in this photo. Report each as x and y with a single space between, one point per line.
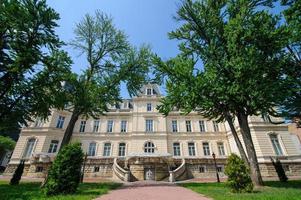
242 47
111 61
32 65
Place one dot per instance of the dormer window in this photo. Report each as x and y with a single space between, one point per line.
148 91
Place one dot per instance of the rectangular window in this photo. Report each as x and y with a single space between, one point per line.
174 126
96 126
221 149
96 169
215 126
176 149
60 122
149 125
206 149
149 91
29 148
149 107
202 169
82 126
202 126
276 145
220 168
188 125
191 149
121 150
107 149
39 169
92 149
53 146
123 126
110 126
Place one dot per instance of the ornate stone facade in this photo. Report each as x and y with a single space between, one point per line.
133 141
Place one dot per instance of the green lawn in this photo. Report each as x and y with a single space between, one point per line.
31 191
271 191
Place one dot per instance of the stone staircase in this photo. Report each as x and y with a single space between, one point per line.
120 173
179 173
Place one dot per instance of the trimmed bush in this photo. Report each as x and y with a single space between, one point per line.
280 171
238 174
65 172
17 174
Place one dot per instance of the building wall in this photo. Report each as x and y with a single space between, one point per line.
162 136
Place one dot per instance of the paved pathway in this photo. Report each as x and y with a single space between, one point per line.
152 191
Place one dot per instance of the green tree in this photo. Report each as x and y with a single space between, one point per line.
32 65
65 172
241 46
111 61
238 174
292 16
6 144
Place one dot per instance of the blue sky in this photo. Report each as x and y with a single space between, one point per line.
144 21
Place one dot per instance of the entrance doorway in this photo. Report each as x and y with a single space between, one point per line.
149 173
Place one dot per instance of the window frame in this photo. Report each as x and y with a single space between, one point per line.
206 151
82 126
149 147
174 125
26 153
110 125
53 146
60 121
121 152
202 126
188 126
191 149
149 127
123 126
275 148
107 149
92 151
219 145
176 146
216 126
149 107
96 125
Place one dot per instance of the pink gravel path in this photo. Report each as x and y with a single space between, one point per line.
165 192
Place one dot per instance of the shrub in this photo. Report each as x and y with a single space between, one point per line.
64 174
238 174
17 174
280 171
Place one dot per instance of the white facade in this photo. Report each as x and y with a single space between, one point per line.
137 128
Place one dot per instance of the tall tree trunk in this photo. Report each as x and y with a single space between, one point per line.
237 140
246 134
69 130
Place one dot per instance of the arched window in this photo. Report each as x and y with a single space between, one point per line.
29 148
149 147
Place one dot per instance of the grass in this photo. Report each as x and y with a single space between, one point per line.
272 190
31 191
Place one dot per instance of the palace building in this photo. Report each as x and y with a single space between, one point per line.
133 141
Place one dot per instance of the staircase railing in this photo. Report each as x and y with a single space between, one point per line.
121 173
173 175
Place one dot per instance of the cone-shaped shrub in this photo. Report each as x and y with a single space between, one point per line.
280 171
17 174
64 174
238 174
